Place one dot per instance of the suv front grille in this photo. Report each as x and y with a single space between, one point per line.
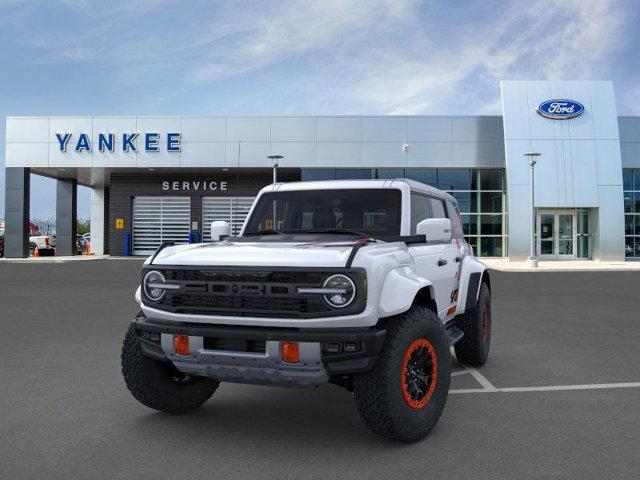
254 293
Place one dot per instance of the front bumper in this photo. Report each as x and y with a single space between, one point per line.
319 360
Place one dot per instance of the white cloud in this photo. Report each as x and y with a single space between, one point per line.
542 40
391 56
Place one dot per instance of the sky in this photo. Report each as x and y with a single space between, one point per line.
148 57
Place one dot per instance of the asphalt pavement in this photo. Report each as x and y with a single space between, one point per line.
557 398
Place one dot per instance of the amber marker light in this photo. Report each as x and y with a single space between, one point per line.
181 345
290 352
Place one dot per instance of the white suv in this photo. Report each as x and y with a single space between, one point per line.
365 284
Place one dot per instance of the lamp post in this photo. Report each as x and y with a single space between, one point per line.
274 164
532 261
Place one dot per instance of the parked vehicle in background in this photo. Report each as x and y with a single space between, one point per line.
42 243
364 284
81 245
1 241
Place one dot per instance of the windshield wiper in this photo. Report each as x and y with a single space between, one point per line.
340 231
262 232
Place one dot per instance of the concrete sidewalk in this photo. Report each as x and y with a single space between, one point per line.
504 265
54 259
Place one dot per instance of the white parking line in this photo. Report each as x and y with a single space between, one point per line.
551 388
488 387
481 379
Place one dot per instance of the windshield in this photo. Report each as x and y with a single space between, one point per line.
371 212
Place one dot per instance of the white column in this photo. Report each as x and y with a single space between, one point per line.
97 221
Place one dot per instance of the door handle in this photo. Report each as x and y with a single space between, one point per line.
458 259
442 262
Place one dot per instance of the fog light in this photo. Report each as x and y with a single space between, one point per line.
290 352
181 345
350 347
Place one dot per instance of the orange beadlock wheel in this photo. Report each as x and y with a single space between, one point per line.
419 373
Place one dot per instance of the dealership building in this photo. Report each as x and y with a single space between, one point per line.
156 179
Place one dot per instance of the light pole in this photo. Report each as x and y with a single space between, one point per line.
274 163
532 261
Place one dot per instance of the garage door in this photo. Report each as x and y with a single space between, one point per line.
232 210
159 219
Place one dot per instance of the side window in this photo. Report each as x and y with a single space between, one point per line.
456 222
437 208
419 210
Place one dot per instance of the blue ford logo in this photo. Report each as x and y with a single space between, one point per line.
560 109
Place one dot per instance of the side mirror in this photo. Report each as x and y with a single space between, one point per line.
435 229
219 229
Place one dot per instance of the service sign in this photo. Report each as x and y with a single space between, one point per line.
106 142
560 109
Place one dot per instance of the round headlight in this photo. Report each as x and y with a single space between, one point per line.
155 294
345 291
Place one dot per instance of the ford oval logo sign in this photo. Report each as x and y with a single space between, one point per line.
560 109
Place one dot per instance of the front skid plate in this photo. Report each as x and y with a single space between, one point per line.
253 368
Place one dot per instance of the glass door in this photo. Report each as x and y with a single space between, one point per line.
566 231
557 235
546 242
583 237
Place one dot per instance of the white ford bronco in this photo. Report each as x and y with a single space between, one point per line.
365 284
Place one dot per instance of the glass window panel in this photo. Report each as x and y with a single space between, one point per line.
629 247
464 201
456 222
627 178
475 179
491 202
470 224
491 224
437 208
629 224
628 202
473 241
454 179
636 179
491 246
584 248
390 173
491 179
636 202
419 210
353 174
311 174
428 176
583 221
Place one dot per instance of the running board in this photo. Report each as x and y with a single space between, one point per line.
453 335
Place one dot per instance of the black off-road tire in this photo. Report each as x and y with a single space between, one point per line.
159 385
473 348
380 394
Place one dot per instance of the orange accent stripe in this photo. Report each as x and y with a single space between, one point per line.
451 310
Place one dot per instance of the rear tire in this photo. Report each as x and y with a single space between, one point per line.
473 348
404 395
159 385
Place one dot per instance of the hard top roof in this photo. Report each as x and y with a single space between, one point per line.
414 186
